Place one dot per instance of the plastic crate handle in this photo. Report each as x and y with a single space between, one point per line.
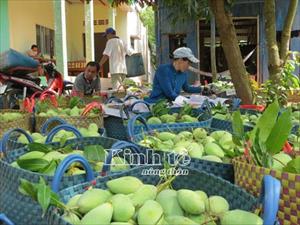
113 99
115 149
66 127
45 126
140 102
128 97
132 123
64 165
6 136
270 195
5 219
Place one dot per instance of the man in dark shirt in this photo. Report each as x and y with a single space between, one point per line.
171 78
87 83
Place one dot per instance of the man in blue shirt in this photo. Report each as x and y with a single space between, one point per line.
170 78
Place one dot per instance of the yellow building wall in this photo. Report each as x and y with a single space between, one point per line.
25 14
23 17
75 27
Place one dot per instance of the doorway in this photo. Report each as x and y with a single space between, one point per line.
247 34
99 42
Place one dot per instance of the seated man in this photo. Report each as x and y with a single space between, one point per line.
34 53
87 83
170 78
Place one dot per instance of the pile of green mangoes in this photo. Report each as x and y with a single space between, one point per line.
43 159
10 116
75 111
171 118
91 131
128 201
248 118
217 146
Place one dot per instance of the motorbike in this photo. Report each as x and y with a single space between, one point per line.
17 82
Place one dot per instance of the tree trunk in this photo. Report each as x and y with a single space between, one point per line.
274 64
286 32
232 51
213 47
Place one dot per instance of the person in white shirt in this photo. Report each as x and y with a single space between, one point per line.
115 51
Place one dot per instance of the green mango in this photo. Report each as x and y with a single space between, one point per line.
214 149
102 214
124 185
123 208
169 202
144 193
190 201
217 205
212 158
240 217
154 120
150 213
32 155
199 133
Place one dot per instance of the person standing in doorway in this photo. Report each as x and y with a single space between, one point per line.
115 51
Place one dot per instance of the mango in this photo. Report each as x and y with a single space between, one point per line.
217 135
212 158
100 215
165 136
154 120
180 220
217 205
208 139
15 164
123 208
240 217
214 149
72 218
73 201
93 127
91 199
169 202
119 164
199 133
186 134
184 144
74 111
188 119
190 201
167 118
195 150
144 193
226 142
202 219
150 213
204 197
124 185
36 136
97 166
280 160
22 139
32 155
180 150
54 155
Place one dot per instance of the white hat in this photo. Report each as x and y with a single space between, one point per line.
184 52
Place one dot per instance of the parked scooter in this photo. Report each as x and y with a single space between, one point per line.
17 81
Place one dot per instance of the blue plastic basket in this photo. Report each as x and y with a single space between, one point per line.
195 180
115 126
224 170
21 208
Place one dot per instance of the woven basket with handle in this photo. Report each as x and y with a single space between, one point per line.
249 176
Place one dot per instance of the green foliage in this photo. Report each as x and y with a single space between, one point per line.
147 18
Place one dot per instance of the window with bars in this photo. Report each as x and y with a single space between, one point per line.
45 40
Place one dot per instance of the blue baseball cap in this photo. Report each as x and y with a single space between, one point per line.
109 30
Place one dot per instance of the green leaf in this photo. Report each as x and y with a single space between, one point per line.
74 101
280 133
63 139
43 196
67 149
293 166
27 188
32 164
266 122
94 153
49 169
39 147
237 124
